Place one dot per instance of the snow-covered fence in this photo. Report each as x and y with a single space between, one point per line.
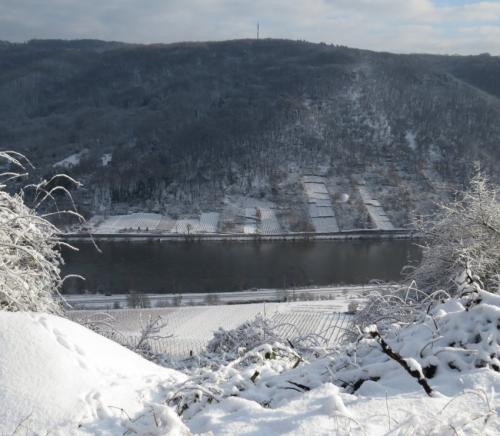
325 325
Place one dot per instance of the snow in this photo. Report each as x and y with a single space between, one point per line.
106 159
291 319
245 210
70 161
209 222
387 401
186 226
250 224
375 210
58 376
411 139
320 204
338 297
153 222
269 223
133 222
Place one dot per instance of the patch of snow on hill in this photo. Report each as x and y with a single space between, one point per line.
411 139
106 159
71 160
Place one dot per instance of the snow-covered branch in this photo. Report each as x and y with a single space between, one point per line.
30 260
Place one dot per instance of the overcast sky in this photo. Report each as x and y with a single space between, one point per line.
436 26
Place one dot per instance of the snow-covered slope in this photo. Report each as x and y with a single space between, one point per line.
58 377
359 389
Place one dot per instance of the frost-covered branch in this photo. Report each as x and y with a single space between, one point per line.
30 259
411 366
464 234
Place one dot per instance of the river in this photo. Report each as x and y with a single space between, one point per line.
210 266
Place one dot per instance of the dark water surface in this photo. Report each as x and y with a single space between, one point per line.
199 266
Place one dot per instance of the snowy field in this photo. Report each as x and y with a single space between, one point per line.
269 223
186 226
250 215
320 205
193 326
250 224
132 222
377 214
209 222
153 222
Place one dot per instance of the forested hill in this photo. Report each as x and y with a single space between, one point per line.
154 125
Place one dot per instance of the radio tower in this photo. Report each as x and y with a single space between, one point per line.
258 29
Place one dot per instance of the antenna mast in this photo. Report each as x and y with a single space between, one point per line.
258 29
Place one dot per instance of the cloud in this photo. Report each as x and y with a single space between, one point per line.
458 26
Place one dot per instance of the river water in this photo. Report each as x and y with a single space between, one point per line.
209 266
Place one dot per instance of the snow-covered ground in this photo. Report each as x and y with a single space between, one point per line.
186 226
153 222
250 215
377 214
268 222
325 318
57 377
320 204
250 223
70 161
209 222
132 222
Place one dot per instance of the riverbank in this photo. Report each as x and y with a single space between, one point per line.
123 301
359 234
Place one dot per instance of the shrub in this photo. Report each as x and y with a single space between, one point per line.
30 276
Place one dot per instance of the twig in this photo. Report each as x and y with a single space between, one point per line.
422 381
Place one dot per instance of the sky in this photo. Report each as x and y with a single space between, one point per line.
401 26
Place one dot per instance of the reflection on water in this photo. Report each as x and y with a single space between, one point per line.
199 266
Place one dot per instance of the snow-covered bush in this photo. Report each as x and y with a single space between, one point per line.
103 324
445 338
463 235
245 337
30 276
390 305
218 377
